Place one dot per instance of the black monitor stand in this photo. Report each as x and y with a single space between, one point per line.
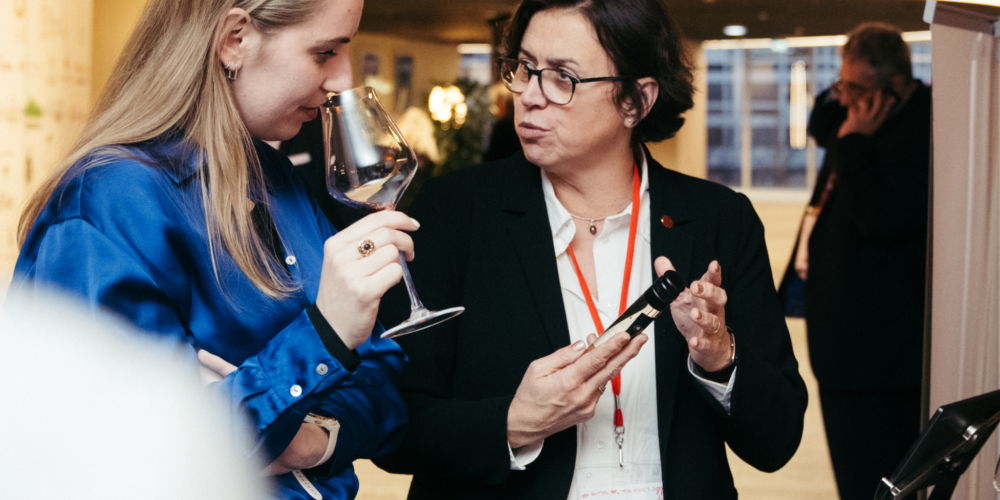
944 449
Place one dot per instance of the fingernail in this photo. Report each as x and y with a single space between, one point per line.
697 314
579 345
698 288
415 223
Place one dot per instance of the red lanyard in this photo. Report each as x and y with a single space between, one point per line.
616 383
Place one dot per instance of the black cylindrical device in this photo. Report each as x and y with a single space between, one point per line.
643 311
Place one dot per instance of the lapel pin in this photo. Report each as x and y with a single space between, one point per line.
667 221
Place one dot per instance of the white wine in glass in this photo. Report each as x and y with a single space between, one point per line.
368 167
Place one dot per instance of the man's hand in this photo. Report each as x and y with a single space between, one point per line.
867 114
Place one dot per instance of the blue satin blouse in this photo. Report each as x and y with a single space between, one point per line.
130 236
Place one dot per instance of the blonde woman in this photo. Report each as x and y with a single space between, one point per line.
172 212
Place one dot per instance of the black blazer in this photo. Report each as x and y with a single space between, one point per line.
865 290
485 243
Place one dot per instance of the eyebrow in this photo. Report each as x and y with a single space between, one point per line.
334 41
553 62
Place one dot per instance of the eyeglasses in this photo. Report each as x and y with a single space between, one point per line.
856 89
556 86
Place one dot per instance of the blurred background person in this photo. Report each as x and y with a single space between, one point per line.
504 142
547 247
171 212
114 413
864 260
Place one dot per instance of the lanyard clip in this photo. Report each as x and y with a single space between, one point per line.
620 439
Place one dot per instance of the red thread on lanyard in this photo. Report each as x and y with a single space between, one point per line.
616 383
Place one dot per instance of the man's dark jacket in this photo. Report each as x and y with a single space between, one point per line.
868 250
485 243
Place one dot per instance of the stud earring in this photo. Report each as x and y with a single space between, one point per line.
629 121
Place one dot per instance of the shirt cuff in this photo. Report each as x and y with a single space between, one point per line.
721 392
349 359
524 455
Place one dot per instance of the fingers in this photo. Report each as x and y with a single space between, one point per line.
714 296
559 359
713 274
613 367
710 324
386 219
662 265
596 360
215 363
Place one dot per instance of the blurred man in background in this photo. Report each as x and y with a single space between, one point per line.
864 261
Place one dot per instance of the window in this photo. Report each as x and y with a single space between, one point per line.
755 91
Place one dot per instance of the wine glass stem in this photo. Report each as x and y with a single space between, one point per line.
415 304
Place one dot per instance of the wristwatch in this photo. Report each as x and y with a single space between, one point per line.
332 427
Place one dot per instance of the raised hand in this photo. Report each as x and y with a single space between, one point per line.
352 285
700 314
867 114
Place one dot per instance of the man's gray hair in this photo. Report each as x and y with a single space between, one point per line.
880 45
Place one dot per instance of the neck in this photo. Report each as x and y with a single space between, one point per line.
595 191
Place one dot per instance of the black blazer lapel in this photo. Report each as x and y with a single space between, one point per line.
527 224
666 199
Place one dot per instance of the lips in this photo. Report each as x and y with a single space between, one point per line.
528 130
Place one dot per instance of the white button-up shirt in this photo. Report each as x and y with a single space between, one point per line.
597 466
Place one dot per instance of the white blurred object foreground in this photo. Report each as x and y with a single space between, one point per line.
92 409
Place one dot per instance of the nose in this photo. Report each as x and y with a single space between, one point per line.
533 96
338 77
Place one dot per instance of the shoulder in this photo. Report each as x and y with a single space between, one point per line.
112 185
700 196
481 185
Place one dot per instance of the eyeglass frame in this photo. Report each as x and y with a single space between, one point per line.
857 88
538 73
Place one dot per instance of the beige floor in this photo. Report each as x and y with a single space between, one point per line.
807 475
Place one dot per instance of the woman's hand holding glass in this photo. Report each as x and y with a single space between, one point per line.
700 315
562 389
351 285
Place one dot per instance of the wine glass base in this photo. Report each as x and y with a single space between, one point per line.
422 319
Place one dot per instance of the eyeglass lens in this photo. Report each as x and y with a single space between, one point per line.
556 86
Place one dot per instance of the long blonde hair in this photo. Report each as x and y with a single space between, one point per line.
169 78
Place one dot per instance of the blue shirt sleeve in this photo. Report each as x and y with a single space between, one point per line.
292 376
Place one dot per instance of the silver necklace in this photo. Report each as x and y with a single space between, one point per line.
593 228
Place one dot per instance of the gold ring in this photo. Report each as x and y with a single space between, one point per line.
366 248
600 389
717 328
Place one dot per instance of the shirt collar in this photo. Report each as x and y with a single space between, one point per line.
178 158
561 222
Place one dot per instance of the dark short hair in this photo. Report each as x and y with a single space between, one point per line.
642 40
880 45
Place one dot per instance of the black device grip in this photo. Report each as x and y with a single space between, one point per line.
665 289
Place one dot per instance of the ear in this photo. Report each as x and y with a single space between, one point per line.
650 91
235 30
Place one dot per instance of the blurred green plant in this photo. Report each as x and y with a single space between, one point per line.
461 141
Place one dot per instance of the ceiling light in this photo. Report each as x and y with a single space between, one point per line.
475 48
735 30
995 3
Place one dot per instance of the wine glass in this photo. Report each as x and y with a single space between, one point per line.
368 166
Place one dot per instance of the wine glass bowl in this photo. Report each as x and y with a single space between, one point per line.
368 167
368 162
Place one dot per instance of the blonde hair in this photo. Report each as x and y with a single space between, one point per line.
169 78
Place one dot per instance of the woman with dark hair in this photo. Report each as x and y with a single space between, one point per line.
548 247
